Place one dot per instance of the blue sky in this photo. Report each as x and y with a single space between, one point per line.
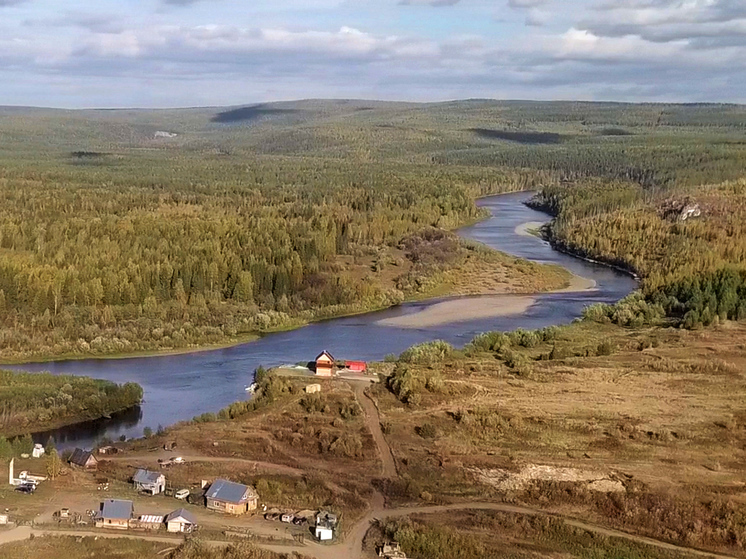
161 53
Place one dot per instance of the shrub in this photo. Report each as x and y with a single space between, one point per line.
427 431
605 348
427 353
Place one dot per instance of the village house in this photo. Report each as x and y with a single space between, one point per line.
83 459
149 482
325 364
180 520
230 497
114 513
326 522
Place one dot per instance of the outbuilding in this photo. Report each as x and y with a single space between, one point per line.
356 366
325 364
233 498
149 482
83 459
114 513
181 520
326 522
38 451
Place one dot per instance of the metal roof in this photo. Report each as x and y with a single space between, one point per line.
229 491
116 509
80 457
181 514
146 476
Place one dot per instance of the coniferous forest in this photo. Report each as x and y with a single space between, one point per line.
115 237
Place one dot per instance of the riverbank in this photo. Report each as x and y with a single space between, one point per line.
465 309
440 266
40 402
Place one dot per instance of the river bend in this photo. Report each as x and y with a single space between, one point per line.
179 387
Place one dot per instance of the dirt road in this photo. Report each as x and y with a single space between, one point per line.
351 548
190 456
373 422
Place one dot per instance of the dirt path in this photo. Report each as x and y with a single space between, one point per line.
17 534
351 548
373 422
189 456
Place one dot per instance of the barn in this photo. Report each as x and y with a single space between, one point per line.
356 366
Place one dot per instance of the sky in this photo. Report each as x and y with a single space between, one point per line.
176 53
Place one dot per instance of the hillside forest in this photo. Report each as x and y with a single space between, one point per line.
115 239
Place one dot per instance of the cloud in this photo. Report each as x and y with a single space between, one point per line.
688 50
537 17
523 4
435 3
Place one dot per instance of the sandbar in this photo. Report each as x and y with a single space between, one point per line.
462 310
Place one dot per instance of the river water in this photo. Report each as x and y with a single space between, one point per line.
178 387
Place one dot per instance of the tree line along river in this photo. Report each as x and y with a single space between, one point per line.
179 387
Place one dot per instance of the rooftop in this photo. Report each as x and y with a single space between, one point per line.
116 509
229 491
181 514
146 476
79 457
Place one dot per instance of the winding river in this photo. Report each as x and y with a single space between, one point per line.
178 387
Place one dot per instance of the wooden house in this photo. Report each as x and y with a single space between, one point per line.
181 521
325 364
83 459
114 513
149 482
230 497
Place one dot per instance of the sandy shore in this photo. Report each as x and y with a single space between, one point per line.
477 307
461 310
528 229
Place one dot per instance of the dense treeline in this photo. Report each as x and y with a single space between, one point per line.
113 240
37 401
693 266
169 262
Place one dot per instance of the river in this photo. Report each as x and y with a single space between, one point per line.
178 387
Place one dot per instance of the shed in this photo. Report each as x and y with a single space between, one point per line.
326 522
180 520
233 498
108 450
149 482
114 513
83 459
313 388
38 451
325 364
3 519
392 551
356 366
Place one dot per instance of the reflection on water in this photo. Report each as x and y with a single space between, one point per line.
178 387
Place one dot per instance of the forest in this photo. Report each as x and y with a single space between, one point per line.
115 239
31 402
